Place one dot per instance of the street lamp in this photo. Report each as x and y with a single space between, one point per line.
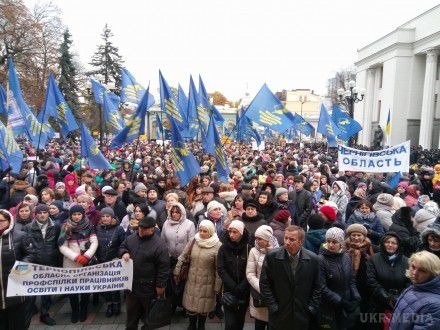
302 100
348 98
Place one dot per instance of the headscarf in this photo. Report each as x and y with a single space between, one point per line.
208 242
72 230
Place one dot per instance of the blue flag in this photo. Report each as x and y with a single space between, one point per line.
112 115
10 153
135 126
221 163
327 127
3 106
303 126
182 101
56 106
46 125
184 163
208 108
132 92
347 125
99 90
394 181
208 139
90 150
193 112
245 131
265 109
160 129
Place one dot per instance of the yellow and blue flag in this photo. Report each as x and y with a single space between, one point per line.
302 125
160 129
99 90
327 127
266 110
135 126
182 101
345 123
90 150
112 115
245 131
3 107
132 92
193 110
388 127
221 163
56 106
209 109
10 153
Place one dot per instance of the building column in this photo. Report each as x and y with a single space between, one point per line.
368 109
427 117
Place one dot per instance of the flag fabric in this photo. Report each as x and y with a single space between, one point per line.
245 131
208 139
347 125
394 181
182 101
388 127
111 114
193 110
132 92
56 106
10 153
135 126
302 125
266 110
208 108
221 163
327 127
90 150
160 129
204 108
99 90
3 98
46 125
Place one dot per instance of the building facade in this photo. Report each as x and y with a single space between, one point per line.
305 103
400 73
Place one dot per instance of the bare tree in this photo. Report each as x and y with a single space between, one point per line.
340 80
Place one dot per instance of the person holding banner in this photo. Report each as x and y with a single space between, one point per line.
78 244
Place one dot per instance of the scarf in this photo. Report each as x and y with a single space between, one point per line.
357 251
75 230
214 219
206 243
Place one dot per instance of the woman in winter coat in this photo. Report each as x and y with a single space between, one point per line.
215 215
403 227
252 219
91 212
418 307
339 295
62 194
315 236
279 224
364 215
78 244
358 196
24 216
18 192
70 184
237 208
12 248
57 212
386 277
203 282
110 237
264 241
384 209
266 206
426 216
412 195
431 240
339 197
231 267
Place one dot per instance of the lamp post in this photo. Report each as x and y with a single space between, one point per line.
348 98
302 99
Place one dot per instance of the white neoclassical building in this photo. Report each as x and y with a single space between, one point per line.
400 73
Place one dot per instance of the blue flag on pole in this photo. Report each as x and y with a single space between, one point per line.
90 150
112 115
10 153
193 110
327 127
132 92
3 106
56 106
98 93
209 109
394 181
182 101
221 163
245 131
160 129
135 126
46 125
208 139
265 109
15 102
347 125
303 126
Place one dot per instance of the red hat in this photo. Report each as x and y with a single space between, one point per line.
329 212
282 215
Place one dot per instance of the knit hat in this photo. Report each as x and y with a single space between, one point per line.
385 199
105 188
332 205
109 211
316 221
139 187
264 232
336 234
237 225
329 212
76 208
357 228
41 208
33 198
362 185
213 205
208 225
60 184
58 204
250 203
432 207
282 215
280 191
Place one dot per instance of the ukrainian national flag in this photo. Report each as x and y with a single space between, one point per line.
388 127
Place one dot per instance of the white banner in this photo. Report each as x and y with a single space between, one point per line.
394 159
28 279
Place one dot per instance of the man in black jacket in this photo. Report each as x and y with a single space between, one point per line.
111 200
150 270
289 283
302 201
42 242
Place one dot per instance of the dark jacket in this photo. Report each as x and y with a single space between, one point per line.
386 279
267 210
314 239
371 222
351 206
303 206
402 225
119 208
150 263
278 228
110 238
252 224
20 224
290 299
432 229
159 206
43 251
231 265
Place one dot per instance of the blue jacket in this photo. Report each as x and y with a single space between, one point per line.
314 239
418 307
110 238
371 222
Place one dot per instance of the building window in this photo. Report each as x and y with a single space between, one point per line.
380 77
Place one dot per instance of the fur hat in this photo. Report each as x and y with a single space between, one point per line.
41 208
280 191
316 221
336 234
357 228
264 232
213 205
385 199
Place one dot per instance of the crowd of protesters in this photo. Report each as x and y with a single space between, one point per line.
289 238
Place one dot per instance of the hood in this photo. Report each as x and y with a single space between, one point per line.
402 216
382 207
423 215
432 286
432 229
342 187
182 217
432 207
316 236
11 224
382 242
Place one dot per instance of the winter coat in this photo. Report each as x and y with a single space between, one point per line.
158 205
219 224
340 198
43 251
337 283
252 224
314 239
303 206
61 218
203 280
20 224
403 227
384 213
371 222
110 238
150 263
386 279
267 210
418 307
253 272
119 208
423 219
73 248
351 206
291 299
278 228
176 234
18 192
433 229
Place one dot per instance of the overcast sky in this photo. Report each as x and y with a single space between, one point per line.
236 44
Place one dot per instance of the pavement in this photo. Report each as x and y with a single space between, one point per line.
60 312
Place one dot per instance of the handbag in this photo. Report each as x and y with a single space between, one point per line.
184 269
257 298
160 313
